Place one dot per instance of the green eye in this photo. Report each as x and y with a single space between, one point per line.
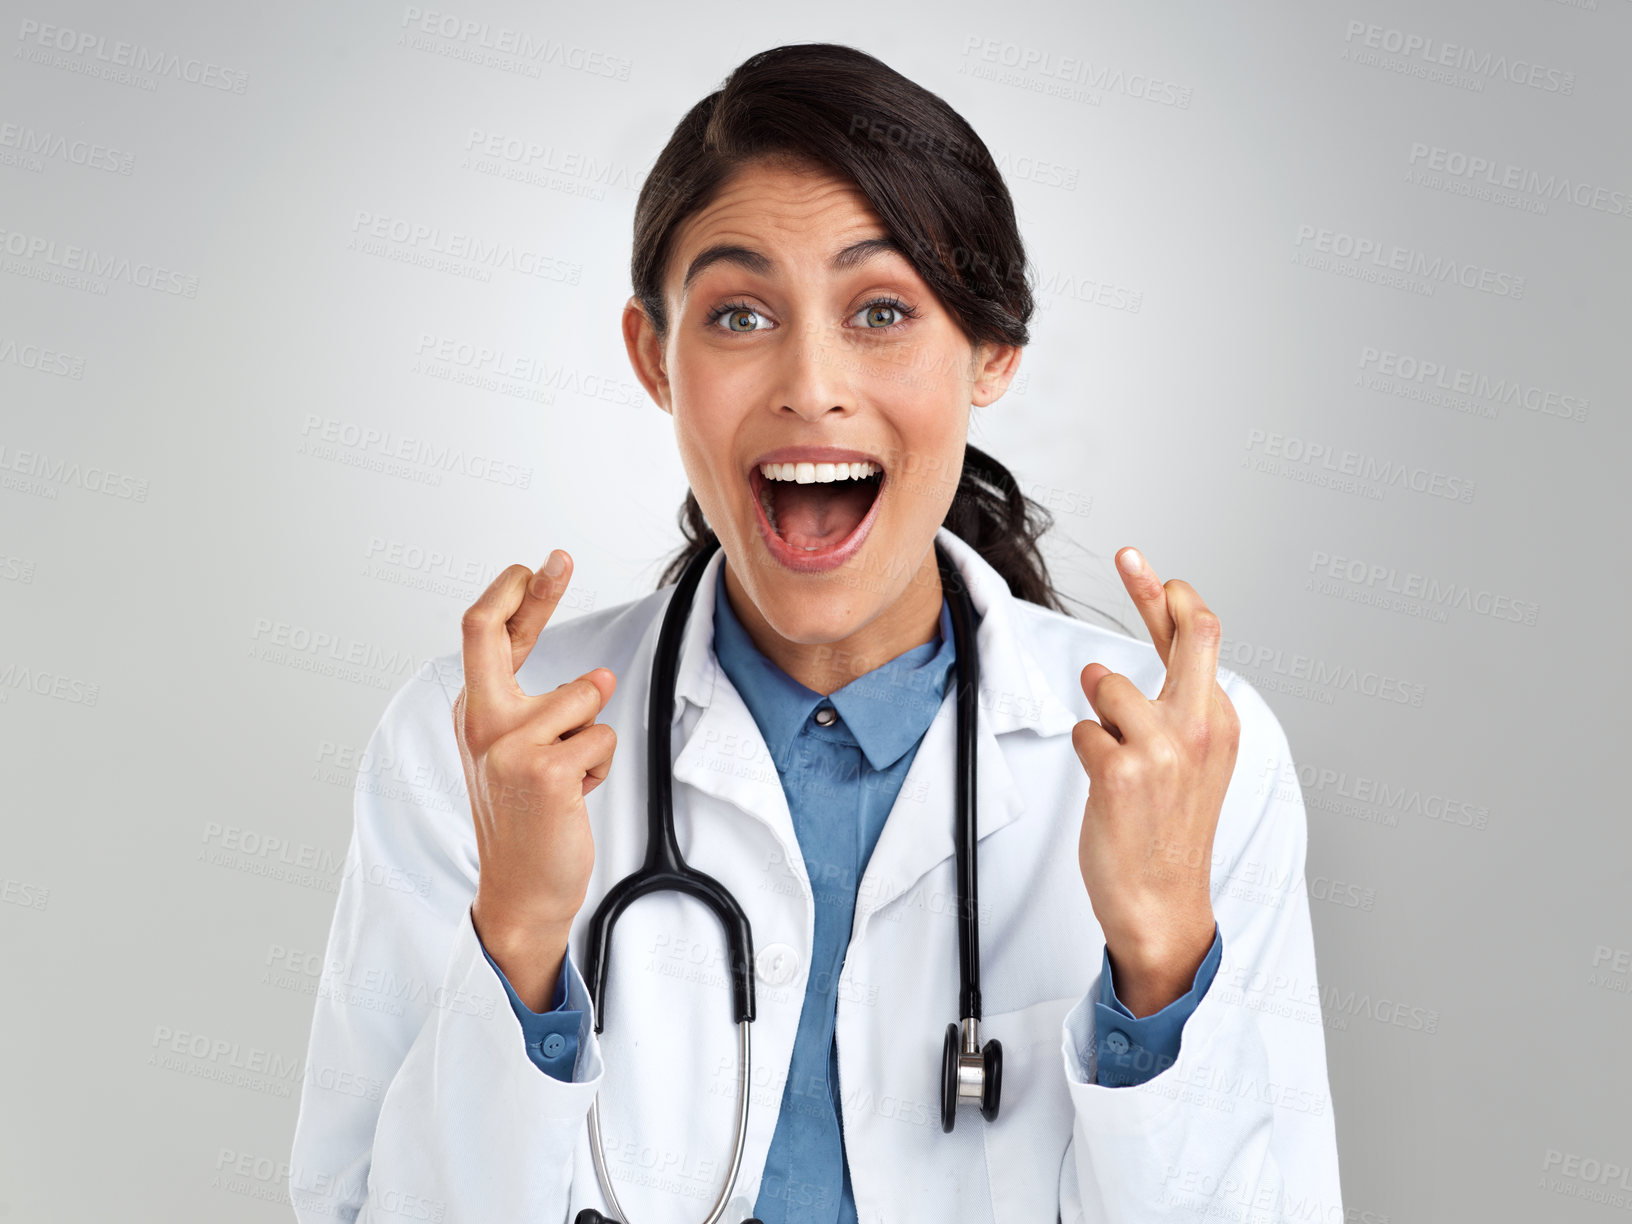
879 315
878 311
732 313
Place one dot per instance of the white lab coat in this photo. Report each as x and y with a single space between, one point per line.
420 1098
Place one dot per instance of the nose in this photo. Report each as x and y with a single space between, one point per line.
812 381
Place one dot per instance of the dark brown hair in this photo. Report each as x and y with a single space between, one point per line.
938 193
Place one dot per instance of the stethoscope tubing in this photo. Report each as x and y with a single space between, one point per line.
967 670
665 869
598 1151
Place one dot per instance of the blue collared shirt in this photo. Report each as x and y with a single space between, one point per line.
841 780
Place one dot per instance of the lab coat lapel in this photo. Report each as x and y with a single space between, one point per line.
1014 696
724 755
919 833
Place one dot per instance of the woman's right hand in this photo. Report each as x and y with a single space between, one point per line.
528 762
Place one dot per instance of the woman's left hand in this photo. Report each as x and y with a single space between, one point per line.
1158 771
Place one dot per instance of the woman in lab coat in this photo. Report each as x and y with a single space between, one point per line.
826 257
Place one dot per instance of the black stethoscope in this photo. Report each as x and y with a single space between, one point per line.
969 1071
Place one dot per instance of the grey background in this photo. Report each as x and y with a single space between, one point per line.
204 611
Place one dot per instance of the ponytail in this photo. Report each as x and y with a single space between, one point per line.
991 515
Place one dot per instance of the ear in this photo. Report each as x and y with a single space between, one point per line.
646 353
994 367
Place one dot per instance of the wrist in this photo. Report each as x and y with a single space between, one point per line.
500 928
501 940
531 959
1153 969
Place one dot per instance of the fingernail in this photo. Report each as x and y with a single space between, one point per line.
1131 562
556 563
540 585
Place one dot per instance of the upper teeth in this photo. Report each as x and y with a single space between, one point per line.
816 473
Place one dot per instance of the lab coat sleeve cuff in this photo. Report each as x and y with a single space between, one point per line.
551 1036
491 1050
554 1040
1130 1050
1213 1026
467 1098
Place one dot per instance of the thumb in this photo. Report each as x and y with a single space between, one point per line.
603 679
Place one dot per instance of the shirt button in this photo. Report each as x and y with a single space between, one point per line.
554 1045
1116 1041
776 964
827 716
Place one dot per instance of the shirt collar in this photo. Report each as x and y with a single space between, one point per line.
1015 691
887 710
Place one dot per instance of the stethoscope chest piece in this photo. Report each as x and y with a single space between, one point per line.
970 1072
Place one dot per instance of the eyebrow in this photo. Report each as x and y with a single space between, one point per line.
759 264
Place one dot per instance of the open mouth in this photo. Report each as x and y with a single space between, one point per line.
819 512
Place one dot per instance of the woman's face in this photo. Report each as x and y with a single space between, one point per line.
776 350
